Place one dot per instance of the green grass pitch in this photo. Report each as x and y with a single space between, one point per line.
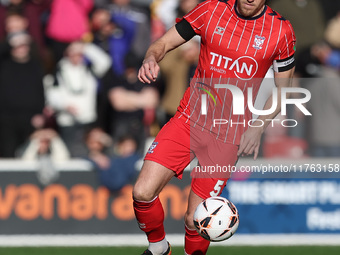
244 250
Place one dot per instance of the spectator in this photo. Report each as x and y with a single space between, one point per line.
165 12
178 67
114 35
326 54
114 171
176 70
46 148
32 11
21 92
332 32
163 15
72 93
321 62
68 22
46 142
324 138
15 23
133 104
142 37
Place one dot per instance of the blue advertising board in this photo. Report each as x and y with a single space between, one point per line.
288 198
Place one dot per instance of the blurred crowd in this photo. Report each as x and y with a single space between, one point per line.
69 87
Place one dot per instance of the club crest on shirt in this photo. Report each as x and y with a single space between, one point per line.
258 42
152 147
219 30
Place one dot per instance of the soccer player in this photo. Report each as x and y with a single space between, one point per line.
240 40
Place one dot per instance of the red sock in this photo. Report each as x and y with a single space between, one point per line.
194 243
150 217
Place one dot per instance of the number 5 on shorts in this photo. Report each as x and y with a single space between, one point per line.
217 189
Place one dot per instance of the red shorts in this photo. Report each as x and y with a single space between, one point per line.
178 143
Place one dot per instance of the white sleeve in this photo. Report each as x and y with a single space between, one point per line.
59 151
31 152
101 61
53 94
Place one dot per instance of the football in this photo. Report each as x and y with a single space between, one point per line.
216 219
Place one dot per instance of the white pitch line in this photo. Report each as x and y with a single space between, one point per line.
174 239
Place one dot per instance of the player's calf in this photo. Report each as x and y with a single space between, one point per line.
189 220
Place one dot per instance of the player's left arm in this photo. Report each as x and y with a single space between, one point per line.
251 139
284 67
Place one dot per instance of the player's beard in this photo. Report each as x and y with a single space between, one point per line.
250 8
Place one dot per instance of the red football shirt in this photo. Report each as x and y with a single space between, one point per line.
237 51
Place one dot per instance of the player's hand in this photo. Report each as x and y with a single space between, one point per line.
250 142
149 70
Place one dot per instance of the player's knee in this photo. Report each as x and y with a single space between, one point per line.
189 220
142 193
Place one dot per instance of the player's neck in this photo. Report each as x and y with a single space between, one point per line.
249 16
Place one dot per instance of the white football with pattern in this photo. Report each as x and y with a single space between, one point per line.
216 219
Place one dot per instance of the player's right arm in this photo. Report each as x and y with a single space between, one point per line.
156 52
191 25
